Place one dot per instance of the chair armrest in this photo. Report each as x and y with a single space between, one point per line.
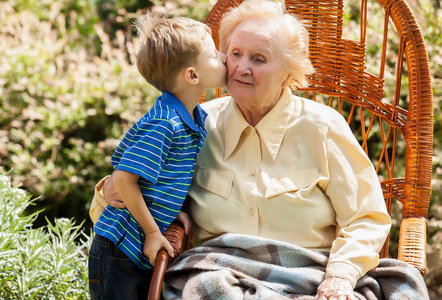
176 237
413 242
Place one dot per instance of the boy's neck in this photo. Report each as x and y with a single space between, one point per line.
189 98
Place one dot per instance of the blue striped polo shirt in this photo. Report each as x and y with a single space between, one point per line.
162 148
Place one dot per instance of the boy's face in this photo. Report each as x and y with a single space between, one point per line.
211 65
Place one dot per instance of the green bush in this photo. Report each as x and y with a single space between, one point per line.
42 263
63 109
69 90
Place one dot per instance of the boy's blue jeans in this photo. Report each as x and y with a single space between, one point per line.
112 275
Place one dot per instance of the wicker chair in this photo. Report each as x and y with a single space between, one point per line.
392 127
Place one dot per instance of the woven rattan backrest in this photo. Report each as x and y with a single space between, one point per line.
396 132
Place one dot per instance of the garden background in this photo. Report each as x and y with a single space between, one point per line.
69 89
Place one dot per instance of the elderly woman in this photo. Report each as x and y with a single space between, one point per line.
277 167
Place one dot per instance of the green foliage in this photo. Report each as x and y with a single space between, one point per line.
197 10
118 15
62 108
69 89
43 263
78 15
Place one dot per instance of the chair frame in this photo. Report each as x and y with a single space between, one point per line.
342 80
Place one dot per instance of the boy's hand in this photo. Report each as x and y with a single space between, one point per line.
185 220
152 245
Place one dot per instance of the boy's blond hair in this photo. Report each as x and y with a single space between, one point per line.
167 45
292 30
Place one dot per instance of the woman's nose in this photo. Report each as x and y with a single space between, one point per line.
243 66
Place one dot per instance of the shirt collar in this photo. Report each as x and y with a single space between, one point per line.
198 113
234 124
271 128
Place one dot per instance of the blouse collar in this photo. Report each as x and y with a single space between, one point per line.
271 128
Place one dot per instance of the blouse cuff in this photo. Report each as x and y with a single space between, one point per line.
98 203
343 270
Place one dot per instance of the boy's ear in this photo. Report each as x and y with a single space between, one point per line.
191 75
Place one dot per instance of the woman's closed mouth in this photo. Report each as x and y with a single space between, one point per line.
243 82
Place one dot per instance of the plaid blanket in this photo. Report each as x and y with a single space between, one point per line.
237 266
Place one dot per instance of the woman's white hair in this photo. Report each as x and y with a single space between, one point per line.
293 32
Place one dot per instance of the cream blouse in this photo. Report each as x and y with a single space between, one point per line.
299 176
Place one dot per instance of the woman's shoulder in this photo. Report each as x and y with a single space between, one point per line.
215 107
215 104
318 111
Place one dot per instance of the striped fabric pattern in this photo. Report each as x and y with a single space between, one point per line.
162 148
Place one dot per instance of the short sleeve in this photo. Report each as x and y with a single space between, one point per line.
146 147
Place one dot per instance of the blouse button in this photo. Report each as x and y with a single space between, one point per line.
251 212
252 173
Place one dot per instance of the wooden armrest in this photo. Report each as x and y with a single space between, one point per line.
175 235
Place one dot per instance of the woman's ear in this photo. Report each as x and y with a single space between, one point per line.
191 75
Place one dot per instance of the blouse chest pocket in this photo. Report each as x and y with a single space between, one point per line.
215 181
291 181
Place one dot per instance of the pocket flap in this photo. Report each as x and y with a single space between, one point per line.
215 181
291 181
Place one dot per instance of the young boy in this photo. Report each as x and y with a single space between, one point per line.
155 161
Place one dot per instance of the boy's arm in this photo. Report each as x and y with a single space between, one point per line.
126 185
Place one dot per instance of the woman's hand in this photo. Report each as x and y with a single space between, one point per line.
152 245
111 195
335 288
185 220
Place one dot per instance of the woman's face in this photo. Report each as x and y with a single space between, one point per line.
256 73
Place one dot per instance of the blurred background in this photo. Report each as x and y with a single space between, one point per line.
69 90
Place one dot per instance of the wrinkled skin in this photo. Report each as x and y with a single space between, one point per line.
335 288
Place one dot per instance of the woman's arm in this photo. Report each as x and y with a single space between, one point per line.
354 190
104 194
110 194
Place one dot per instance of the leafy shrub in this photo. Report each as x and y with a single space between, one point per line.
68 92
62 108
43 263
